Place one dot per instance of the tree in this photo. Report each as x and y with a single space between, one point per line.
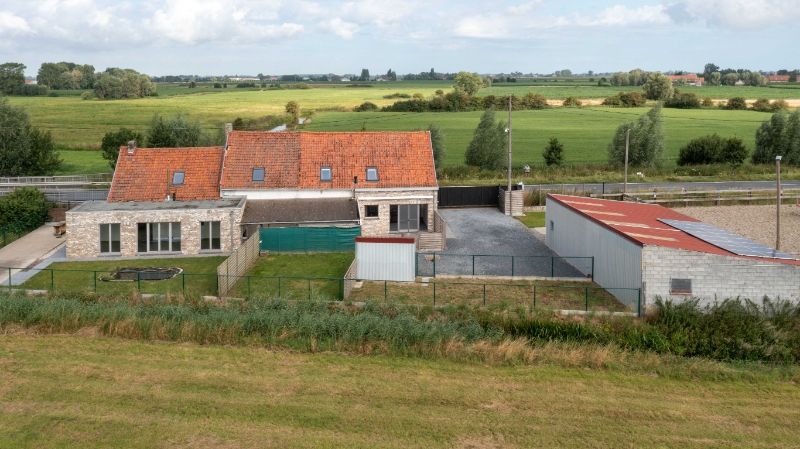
715 79
553 153
437 142
646 141
733 151
708 70
713 149
293 109
657 87
174 132
112 140
730 79
488 146
117 83
468 83
364 75
778 136
12 75
24 150
391 75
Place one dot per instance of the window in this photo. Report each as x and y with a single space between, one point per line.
372 173
209 235
371 211
404 217
258 174
109 238
158 237
178 177
325 174
680 286
552 226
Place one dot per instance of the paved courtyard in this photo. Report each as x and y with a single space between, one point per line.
501 246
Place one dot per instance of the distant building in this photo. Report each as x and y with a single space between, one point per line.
778 78
689 79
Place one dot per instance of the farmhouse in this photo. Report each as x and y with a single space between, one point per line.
778 78
206 200
665 253
689 79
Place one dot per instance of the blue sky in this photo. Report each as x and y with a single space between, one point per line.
274 37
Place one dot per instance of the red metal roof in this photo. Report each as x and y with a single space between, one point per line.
293 160
639 223
147 174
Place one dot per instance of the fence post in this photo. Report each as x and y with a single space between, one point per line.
138 282
473 264
592 267
279 287
434 294
552 266
52 281
183 284
341 287
94 280
484 294
434 264
309 289
639 303
512 266
385 291
9 278
586 297
534 296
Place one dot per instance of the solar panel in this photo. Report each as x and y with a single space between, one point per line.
725 240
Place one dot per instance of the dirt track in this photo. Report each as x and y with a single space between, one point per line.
793 103
755 222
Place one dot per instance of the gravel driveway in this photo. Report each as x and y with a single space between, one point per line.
494 238
754 222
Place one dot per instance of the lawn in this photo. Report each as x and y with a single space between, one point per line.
85 392
199 276
82 162
533 219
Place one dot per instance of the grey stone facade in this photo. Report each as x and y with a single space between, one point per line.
83 225
716 277
384 199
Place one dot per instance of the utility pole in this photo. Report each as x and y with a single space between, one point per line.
627 145
778 209
509 158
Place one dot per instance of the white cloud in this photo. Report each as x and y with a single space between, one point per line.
12 24
341 28
737 14
621 15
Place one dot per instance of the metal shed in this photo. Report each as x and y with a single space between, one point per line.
386 258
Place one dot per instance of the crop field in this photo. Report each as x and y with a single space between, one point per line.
86 391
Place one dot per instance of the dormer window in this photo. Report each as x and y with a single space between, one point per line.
178 177
258 174
325 174
372 173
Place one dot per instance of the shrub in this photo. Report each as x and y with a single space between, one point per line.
736 103
761 105
31 90
708 102
683 100
401 95
779 105
245 85
553 153
23 210
87 96
366 107
571 102
713 149
626 100
217 85
531 101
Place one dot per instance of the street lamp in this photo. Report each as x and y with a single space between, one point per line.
778 209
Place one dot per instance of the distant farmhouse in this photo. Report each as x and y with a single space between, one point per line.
193 201
689 79
778 78
665 253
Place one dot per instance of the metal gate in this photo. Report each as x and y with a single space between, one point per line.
468 196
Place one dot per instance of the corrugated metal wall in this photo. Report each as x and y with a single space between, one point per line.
617 261
386 261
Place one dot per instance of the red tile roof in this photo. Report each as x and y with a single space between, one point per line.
777 78
639 223
147 174
293 160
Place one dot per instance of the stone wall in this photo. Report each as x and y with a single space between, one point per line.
83 229
517 199
716 277
384 199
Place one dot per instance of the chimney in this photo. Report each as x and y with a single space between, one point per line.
131 146
228 128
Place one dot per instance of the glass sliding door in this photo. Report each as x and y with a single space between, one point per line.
158 237
404 218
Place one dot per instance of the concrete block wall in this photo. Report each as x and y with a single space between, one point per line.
716 277
384 199
83 229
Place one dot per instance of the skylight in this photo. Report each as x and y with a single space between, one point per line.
258 174
372 173
177 178
325 174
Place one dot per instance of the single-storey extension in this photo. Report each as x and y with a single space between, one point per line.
665 253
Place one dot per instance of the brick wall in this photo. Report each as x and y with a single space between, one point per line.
716 277
83 229
384 199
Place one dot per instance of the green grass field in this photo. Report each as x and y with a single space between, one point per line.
78 391
533 219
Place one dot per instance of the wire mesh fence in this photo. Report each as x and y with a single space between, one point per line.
554 295
437 264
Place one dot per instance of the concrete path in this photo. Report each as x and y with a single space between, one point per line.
494 238
27 251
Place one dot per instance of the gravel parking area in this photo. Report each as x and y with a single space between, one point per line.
754 222
502 246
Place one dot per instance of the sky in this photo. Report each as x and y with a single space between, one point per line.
215 37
